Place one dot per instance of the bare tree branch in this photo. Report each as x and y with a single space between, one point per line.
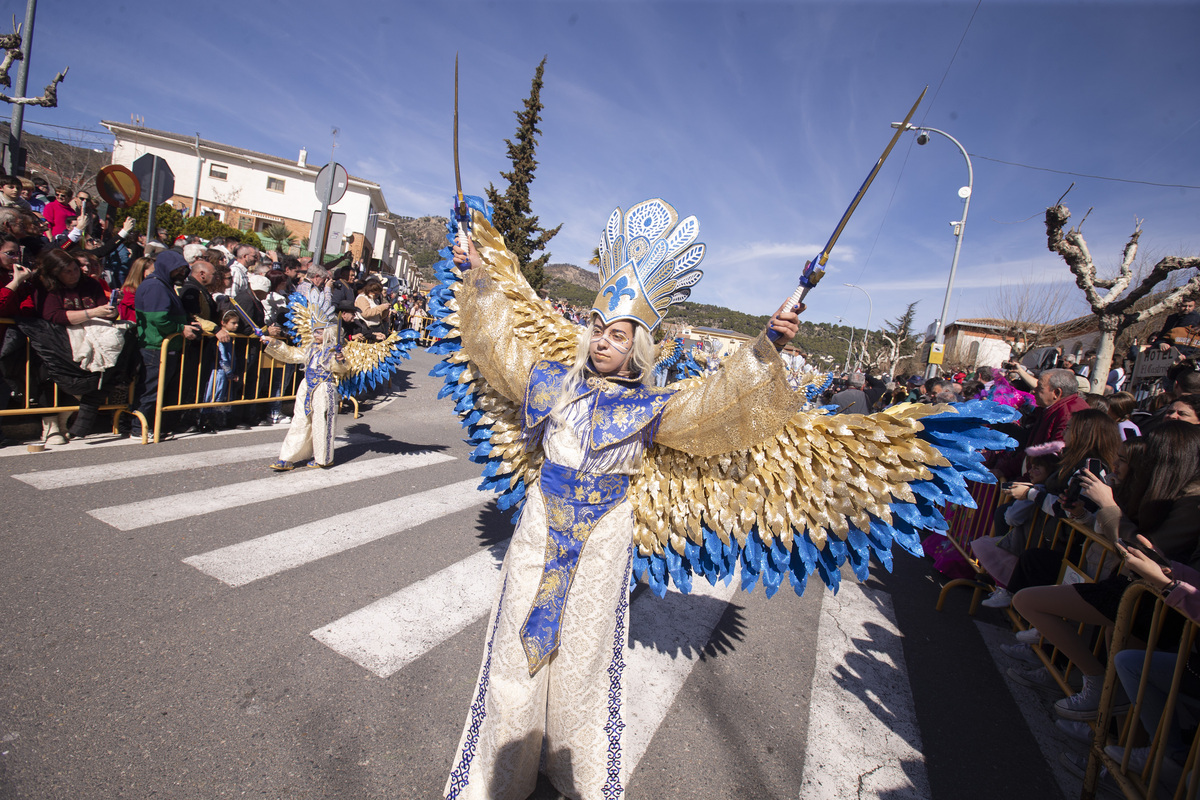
11 43
1115 309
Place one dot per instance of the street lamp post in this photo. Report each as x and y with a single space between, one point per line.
965 194
870 311
849 346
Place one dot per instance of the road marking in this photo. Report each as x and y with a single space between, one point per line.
144 513
678 628
241 563
863 738
161 465
106 440
398 629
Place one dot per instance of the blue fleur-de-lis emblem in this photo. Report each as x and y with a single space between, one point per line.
619 290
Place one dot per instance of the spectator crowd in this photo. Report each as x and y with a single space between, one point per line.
92 301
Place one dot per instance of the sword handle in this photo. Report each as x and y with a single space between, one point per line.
811 275
462 239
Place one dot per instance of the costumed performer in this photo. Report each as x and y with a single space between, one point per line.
314 420
552 670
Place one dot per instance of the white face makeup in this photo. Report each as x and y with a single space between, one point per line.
610 345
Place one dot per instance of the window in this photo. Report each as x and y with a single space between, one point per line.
218 171
275 184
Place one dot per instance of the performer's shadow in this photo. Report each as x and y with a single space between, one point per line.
871 675
685 625
401 381
368 441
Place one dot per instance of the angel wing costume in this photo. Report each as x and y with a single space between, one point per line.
332 369
619 479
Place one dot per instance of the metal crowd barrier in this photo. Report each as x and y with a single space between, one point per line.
259 376
29 385
967 525
1087 557
1147 782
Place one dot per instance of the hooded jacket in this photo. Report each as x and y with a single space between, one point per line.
159 310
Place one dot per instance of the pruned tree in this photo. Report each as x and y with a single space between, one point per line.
1027 313
897 335
1115 308
512 213
11 44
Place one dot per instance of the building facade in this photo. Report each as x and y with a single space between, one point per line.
253 191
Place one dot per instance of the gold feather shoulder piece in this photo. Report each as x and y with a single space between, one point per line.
824 491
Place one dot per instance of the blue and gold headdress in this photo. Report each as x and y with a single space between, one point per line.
647 263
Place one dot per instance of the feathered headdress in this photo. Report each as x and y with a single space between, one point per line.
647 263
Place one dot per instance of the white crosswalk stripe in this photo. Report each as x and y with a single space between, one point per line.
161 465
398 629
144 513
239 564
678 626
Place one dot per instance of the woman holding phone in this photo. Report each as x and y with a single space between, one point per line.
1160 500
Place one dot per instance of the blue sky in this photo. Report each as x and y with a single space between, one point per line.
761 118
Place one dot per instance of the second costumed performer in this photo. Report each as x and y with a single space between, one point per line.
314 420
333 369
664 483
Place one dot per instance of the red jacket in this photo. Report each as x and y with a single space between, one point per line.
1053 426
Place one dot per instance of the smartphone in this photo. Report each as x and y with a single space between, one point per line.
1006 486
1094 466
1155 556
114 298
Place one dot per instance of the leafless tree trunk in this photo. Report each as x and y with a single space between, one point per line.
11 43
1028 312
1114 308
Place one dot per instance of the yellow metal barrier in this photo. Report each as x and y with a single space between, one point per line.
1086 557
250 377
1144 784
29 389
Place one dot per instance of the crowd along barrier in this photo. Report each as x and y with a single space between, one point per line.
1087 557
1159 774
257 378
22 376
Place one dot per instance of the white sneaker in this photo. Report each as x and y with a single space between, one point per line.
282 421
1079 731
1085 704
1020 652
1001 598
1029 636
1036 678
52 433
1168 775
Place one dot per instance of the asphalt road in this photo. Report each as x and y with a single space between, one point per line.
181 623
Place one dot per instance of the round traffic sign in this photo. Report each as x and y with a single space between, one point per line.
336 173
118 186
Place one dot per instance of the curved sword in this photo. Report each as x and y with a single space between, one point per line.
814 270
461 213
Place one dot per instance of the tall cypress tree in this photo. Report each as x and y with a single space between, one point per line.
511 211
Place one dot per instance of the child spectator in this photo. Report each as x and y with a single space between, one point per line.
998 554
217 390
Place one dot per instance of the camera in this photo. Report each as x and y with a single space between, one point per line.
922 138
1075 486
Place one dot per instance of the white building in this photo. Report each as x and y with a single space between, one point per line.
252 191
977 343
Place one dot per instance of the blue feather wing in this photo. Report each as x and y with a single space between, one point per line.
949 447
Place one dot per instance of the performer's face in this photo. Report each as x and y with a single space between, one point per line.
610 345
